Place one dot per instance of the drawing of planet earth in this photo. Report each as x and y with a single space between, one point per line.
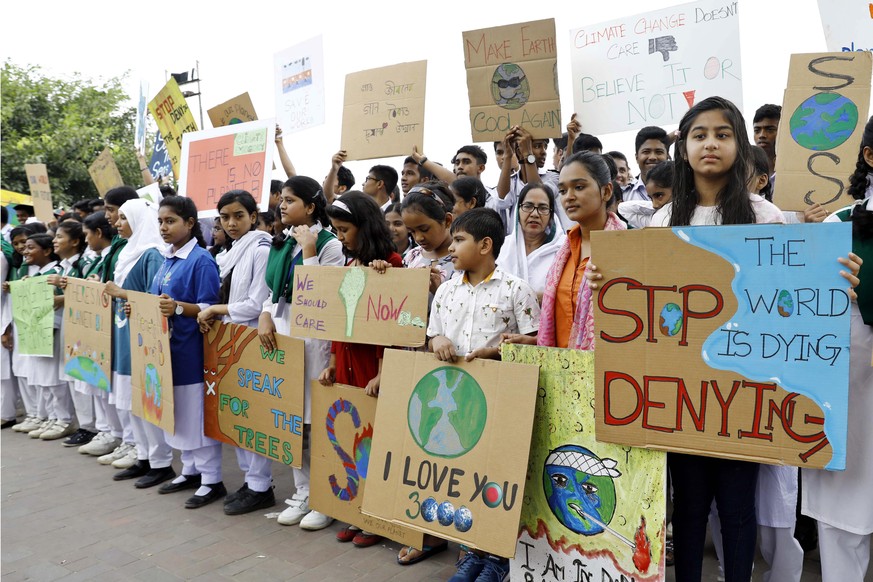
509 86
446 513
87 370
447 412
784 304
463 519
580 489
670 321
153 385
429 509
824 121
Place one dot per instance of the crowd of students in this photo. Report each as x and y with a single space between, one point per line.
509 264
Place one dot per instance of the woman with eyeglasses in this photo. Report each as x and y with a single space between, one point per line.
529 251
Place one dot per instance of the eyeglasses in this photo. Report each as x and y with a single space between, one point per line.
368 178
542 209
514 82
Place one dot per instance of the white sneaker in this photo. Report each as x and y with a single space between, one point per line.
27 425
298 507
102 444
59 430
119 452
127 461
315 521
45 424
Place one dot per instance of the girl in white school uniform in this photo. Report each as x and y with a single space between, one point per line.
137 264
243 291
304 242
19 268
52 395
188 282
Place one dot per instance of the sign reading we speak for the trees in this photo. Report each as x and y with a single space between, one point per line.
728 341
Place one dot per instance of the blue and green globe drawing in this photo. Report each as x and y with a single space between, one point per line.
87 370
153 385
670 321
447 412
824 121
785 304
509 86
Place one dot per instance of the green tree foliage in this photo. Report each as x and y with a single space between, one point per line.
64 124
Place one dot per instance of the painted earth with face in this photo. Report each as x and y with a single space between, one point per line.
509 86
575 494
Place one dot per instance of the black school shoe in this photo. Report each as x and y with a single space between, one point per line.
8 423
216 491
138 469
248 501
155 477
190 482
79 438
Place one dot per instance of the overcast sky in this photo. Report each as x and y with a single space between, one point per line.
235 44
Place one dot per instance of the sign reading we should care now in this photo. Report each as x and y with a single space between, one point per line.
730 341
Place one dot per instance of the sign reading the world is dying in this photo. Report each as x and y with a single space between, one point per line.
650 68
254 396
88 332
450 454
150 360
383 111
745 356
823 116
512 79
360 305
591 510
342 433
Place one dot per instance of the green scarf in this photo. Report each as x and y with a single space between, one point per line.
864 249
281 263
107 271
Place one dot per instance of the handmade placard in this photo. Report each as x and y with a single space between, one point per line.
450 455
34 315
174 119
847 24
159 164
234 157
40 192
824 113
383 111
150 362
342 434
104 173
88 332
299 85
512 79
650 68
359 305
237 110
729 341
592 510
254 397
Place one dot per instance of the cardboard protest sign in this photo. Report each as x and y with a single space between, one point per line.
141 107
150 361
823 116
88 332
383 111
40 191
299 74
359 305
174 118
848 24
104 172
744 356
342 433
234 157
237 110
512 79
650 68
450 454
159 164
254 397
34 315
591 508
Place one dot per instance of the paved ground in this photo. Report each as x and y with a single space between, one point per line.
64 518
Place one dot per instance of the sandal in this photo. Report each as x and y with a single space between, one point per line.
424 553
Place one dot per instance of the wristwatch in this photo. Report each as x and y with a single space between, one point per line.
178 310
531 159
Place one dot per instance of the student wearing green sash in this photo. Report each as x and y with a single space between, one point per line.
305 241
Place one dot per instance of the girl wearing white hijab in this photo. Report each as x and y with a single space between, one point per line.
529 250
149 456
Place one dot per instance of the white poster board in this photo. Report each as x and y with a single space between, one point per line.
649 69
848 24
299 85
